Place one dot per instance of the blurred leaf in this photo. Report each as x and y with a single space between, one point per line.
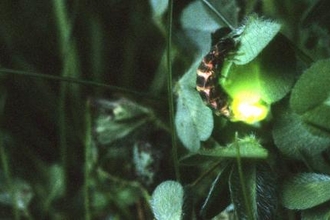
202 40
158 7
188 211
193 119
55 185
117 119
293 138
270 76
192 20
223 10
249 147
194 159
315 30
317 213
316 41
196 17
257 33
306 190
146 162
318 14
198 21
22 192
310 98
218 197
167 201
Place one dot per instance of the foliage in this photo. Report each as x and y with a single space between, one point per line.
100 118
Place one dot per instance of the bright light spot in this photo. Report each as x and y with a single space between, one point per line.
249 108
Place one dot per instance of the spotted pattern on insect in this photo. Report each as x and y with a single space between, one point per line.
207 83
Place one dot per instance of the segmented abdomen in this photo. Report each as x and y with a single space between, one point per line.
207 83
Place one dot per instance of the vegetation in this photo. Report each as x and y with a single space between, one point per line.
100 118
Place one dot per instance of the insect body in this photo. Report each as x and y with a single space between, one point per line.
207 83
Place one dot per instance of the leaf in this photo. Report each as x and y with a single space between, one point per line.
223 10
293 138
249 147
257 34
218 196
260 191
270 76
267 192
117 119
243 191
318 14
167 201
306 190
311 98
193 119
158 7
146 162
20 190
194 159
317 213
202 40
198 21
196 17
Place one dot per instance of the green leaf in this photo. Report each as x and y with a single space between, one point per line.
20 190
223 10
198 21
270 76
243 191
167 201
293 138
259 197
193 119
145 161
317 213
196 17
249 147
158 7
306 190
311 98
257 34
194 159
218 196
117 119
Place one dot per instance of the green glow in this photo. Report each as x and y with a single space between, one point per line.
245 85
249 108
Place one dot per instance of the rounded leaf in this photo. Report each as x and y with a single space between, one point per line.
269 77
167 201
311 98
196 17
158 7
257 33
193 119
306 190
292 137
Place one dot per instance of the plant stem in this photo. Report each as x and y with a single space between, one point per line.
241 177
84 82
224 20
88 161
170 92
